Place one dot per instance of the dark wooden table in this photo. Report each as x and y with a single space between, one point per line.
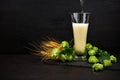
29 67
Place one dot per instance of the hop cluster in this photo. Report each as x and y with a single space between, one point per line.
99 58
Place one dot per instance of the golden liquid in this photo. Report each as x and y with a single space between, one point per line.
80 35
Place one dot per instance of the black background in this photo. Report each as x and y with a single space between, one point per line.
24 21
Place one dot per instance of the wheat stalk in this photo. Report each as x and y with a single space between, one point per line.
45 47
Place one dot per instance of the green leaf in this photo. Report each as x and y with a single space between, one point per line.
67 54
102 55
102 58
69 51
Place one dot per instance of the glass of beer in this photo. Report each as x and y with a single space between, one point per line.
80 22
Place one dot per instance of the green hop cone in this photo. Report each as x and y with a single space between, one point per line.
95 48
113 59
97 67
69 57
64 44
63 57
91 52
93 59
89 46
55 53
107 63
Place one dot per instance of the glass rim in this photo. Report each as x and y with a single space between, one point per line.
80 12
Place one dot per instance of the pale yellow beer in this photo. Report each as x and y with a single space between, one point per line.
80 22
80 36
